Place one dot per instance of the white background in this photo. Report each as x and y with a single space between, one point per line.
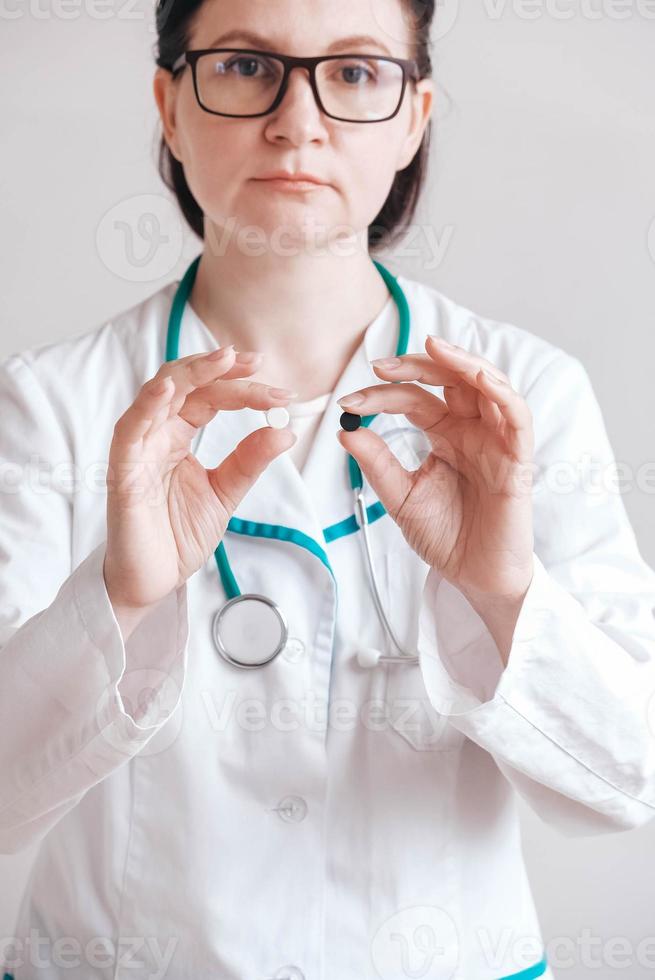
541 200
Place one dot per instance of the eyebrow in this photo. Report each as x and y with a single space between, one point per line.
265 44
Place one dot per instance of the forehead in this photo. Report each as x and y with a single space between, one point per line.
306 26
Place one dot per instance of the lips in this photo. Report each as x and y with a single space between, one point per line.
299 176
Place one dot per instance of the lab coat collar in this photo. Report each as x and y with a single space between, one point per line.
321 495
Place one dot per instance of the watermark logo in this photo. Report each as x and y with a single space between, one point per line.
420 943
414 22
145 956
591 10
141 238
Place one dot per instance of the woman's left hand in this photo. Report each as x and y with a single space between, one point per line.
467 510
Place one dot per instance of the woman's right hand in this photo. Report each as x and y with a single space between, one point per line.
166 513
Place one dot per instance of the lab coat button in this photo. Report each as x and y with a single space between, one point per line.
292 808
294 650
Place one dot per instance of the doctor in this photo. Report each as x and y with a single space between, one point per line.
453 629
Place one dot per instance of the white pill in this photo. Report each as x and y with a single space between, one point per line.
278 418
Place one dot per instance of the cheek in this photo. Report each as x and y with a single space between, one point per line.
215 157
370 167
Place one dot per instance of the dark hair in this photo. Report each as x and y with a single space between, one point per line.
174 21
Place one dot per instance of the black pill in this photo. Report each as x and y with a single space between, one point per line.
350 422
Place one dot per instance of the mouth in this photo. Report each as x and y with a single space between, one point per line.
283 180
304 186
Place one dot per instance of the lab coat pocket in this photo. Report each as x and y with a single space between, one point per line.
409 710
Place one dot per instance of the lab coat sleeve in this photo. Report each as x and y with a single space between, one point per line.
570 721
76 702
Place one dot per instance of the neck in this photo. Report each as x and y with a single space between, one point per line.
307 314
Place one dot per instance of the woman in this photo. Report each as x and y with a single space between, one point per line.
349 808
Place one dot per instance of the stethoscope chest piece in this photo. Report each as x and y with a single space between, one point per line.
250 630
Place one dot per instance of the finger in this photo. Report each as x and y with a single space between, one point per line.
250 360
462 400
420 406
443 352
440 366
246 363
236 474
508 405
244 360
381 468
184 374
202 405
170 367
153 399
489 413
459 373
458 380
157 395
197 370
516 414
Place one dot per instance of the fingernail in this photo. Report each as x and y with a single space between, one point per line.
440 340
247 357
282 393
387 363
221 352
349 400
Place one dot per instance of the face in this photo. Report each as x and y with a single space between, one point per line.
223 157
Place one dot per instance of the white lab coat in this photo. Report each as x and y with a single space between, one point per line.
205 821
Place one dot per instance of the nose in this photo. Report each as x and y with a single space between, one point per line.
298 117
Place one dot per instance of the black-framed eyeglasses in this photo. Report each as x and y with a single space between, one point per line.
360 88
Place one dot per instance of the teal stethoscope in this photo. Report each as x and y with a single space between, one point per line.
251 630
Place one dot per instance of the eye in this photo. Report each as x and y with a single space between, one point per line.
357 72
249 61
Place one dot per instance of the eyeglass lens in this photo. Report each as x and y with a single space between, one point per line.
356 89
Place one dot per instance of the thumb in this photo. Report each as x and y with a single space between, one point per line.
232 478
390 481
